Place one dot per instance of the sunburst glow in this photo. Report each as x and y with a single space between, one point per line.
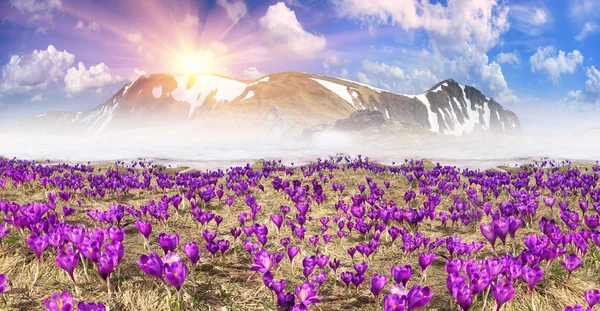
195 62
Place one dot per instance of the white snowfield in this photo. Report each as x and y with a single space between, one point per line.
249 95
222 89
338 89
157 92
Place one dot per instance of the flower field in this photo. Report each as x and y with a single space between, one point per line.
335 234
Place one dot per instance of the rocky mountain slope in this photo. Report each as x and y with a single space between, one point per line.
280 101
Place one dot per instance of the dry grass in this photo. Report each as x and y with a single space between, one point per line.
227 284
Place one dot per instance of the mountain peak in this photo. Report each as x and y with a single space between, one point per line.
302 99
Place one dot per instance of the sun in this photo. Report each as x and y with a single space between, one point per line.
195 62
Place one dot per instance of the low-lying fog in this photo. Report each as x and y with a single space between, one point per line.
203 149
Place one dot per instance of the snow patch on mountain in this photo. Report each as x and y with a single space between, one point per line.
338 89
222 89
157 92
249 95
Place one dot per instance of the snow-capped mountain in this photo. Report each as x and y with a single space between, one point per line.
300 99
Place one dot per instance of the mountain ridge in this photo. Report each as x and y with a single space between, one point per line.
303 100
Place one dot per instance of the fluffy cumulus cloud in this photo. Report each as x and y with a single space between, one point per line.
28 72
280 26
554 62
508 58
396 79
593 82
79 78
460 35
235 9
252 73
530 19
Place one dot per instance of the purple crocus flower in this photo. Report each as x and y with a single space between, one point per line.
377 284
90 306
292 251
425 259
2 283
151 265
168 242
116 234
175 273
307 294
37 244
576 307
145 228
67 260
192 251
106 265
346 277
358 279
418 297
277 219
592 297
571 263
62 302
401 274
532 275
263 261
502 291
393 302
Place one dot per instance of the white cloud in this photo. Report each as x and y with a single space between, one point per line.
38 9
588 29
332 59
554 64
217 47
35 71
508 58
530 19
78 79
281 26
143 52
235 9
252 73
191 20
479 23
593 82
343 73
41 30
460 35
136 74
134 36
398 80
92 26
575 101
362 78
583 9
37 98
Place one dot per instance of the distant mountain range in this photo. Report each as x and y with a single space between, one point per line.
281 101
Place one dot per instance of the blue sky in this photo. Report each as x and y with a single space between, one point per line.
538 58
